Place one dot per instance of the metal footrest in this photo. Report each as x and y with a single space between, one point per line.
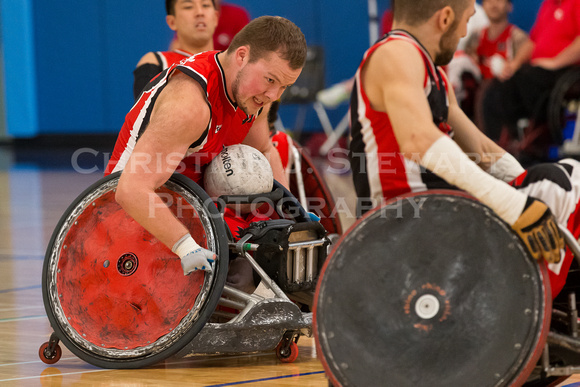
261 329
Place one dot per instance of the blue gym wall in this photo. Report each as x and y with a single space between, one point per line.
68 65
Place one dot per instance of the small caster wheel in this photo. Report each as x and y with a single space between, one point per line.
47 356
287 355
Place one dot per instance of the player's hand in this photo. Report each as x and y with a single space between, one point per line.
199 259
539 231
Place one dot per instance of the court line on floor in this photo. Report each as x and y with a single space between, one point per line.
34 361
20 308
174 362
49 376
12 319
265 379
20 289
21 257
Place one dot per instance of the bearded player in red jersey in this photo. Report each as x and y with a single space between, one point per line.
186 115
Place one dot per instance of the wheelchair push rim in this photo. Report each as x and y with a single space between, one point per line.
116 296
417 291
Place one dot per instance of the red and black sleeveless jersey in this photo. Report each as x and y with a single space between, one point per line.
168 58
502 45
379 169
228 124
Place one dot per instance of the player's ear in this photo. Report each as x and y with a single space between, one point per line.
445 18
170 20
242 55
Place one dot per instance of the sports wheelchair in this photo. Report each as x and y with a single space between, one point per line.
563 109
117 298
443 293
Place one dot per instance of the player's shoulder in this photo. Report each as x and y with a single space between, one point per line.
518 33
397 47
200 60
396 55
149 58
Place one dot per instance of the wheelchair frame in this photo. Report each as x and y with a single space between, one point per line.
569 342
557 353
266 321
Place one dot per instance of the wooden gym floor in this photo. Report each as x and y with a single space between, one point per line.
36 186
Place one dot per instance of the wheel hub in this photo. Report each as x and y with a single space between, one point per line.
127 264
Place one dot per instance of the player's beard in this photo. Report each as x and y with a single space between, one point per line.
447 46
236 93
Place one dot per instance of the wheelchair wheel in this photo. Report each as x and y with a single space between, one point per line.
566 89
115 296
431 289
316 190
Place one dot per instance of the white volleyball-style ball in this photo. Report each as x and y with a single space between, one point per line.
238 170
496 64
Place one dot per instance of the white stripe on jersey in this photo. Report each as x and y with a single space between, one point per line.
219 65
412 169
184 53
130 146
414 180
371 147
124 159
191 151
164 64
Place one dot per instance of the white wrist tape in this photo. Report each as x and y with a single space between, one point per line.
506 168
184 246
446 159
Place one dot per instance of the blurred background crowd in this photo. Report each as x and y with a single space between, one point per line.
67 70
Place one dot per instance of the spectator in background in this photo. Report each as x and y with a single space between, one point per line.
463 70
497 47
232 18
387 21
409 135
500 41
530 76
194 23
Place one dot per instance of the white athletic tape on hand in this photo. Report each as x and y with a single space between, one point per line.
446 159
506 168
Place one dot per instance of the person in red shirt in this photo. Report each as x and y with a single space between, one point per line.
497 46
500 40
231 20
463 70
386 21
554 47
194 23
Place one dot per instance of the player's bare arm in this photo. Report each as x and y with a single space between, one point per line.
567 57
393 79
179 117
519 37
148 58
470 139
522 56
